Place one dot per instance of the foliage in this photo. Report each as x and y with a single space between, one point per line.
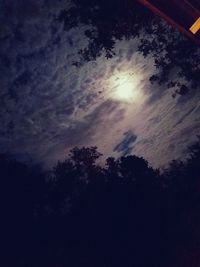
176 57
82 214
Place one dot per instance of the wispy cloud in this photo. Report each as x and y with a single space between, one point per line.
48 105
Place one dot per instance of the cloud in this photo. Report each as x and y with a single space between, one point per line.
126 145
38 85
47 106
184 116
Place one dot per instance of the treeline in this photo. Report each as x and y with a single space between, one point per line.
124 214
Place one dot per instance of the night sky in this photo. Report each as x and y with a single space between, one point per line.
48 105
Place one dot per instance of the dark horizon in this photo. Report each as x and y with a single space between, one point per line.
81 214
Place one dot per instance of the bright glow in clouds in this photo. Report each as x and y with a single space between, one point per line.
125 87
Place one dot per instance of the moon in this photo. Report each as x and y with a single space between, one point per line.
125 87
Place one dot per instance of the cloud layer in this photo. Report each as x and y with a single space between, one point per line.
48 106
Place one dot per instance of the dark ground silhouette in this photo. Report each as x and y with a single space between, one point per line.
82 214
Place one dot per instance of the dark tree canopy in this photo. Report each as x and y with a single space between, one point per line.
176 58
82 214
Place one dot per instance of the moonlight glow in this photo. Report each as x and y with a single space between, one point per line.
125 87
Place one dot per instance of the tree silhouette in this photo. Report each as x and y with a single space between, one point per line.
81 214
